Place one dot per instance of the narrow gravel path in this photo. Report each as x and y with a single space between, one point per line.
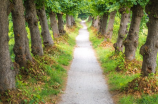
86 83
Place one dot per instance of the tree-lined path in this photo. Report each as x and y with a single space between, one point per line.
86 83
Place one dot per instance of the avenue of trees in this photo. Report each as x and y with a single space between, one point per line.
34 11
31 12
131 11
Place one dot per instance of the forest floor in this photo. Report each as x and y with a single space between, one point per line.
86 82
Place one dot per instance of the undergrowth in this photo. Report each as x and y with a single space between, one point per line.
44 78
124 76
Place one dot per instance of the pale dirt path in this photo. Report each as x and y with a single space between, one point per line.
86 83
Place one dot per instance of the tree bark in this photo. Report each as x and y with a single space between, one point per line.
150 48
68 21
109 30
7 72
10 8
73 21
96 23
90 18
20 34
131 42
103 24
54 24
93 20
123 29
60 24
27 49
31 18
47 39
99 25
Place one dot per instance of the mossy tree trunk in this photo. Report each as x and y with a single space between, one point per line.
123 29
47 39
131 42
31 18
150 48
7 72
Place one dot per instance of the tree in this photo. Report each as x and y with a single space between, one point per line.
111 8
52 9
90 18
21 47
47 39
54 24
101 9
103 24
150 48
131 41
7 72
96 22
68 21
61 24
109 30
70 8
31 18
124 11
73 22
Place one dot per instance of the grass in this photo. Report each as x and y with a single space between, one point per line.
145 99
43 80
118 80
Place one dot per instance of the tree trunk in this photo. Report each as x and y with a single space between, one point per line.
47 39
123 29
96 23
20 34
10 8
60 24
103 24
54 24
73 21
7 72
131 41
99 25
93 20
109 31
68 21
90 18
27 49
31 18
150 48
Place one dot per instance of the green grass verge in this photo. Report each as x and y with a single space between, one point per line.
118 81
44 79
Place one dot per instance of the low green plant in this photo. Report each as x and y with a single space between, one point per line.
144 99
